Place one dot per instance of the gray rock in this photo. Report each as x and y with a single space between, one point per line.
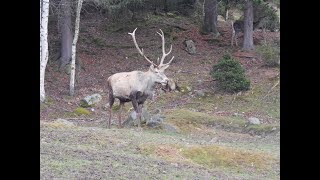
155 121
200 93
190 47
132 119
90 100
254 120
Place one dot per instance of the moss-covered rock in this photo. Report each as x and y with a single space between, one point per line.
185 89
90 100
82 111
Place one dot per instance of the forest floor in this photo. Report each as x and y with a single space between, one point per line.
214 140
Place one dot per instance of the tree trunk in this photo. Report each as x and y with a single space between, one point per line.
210 17
75 39
248 26
165 8
65 33
227 14
44 53
264 35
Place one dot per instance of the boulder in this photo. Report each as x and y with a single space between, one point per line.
90 100
190 47
254 120
132 119
155 121
200 93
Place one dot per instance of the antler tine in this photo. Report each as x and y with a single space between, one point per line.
170 61
139 50
164 54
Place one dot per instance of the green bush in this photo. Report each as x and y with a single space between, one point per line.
230 75
270 54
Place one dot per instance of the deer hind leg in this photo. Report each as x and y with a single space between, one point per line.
120 111
232 38
111 101
236 39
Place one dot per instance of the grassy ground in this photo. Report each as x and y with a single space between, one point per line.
72 152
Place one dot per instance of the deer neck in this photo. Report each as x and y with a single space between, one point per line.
150 82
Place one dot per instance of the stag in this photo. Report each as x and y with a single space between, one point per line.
137 86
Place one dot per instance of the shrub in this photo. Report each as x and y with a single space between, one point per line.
230 75
270 54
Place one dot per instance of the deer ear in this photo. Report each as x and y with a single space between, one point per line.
164 67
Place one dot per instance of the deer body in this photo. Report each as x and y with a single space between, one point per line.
126 82
137 86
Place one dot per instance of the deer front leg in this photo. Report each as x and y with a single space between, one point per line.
232 38
120 111
133 97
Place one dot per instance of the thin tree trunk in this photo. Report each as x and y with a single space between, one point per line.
44 53
75 39
264 35
65 32
215 18
248 26
210 16
227 14
165 6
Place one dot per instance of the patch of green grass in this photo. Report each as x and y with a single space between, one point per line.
66 164
169 152
116 107
57 124
185 89
155 19
257 101
147 149
226 157
208 103
263 128
99 42
188 121
212 156
43 106
183 118
82 111
70 114
270 54
49 101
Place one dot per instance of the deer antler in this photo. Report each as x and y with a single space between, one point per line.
164 54
140 50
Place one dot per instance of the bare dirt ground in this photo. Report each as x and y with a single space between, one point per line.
202 150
